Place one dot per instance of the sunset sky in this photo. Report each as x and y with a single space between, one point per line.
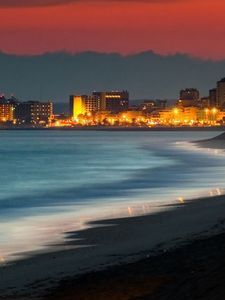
196 27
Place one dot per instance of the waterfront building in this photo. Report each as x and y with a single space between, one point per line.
179 115
220 93
113 101
83 104
190 115
6 110
189 97
34 112
147 106
131 116
189 94
166 116
204 102
221 117
209 115
213 97
150 105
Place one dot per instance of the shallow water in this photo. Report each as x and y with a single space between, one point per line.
52 182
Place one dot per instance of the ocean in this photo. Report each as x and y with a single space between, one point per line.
54 182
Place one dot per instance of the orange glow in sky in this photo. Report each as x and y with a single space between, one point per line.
196 27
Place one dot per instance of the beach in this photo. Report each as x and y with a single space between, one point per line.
127 241
215 143
193 271
141 257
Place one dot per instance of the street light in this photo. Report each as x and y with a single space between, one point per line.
176 111
207 114
214 111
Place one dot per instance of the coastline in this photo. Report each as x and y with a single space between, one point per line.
119 245
116 128
215 143
131 240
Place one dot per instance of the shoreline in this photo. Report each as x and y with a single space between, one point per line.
111 243
120 244
217 142
115 128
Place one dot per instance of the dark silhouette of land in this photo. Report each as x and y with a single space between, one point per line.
57 75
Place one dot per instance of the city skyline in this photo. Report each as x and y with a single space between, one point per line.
164 26
113 108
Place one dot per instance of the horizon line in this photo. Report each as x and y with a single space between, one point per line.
124 55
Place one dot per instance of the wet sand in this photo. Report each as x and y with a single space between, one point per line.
121 241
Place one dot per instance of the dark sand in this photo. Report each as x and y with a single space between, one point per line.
195 271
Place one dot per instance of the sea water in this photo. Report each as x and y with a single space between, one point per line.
52 182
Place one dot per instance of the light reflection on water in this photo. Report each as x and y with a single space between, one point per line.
62 180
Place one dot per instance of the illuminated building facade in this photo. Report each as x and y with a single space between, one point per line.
81 105
6 112
178 115
34 112
114 102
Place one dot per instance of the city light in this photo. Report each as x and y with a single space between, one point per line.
111 108
176 111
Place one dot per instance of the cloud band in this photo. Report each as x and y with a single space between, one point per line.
36 3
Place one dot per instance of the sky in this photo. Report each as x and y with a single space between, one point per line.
194 27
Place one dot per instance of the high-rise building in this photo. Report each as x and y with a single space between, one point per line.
189 97
34 112
6 112
204 102
81 105
213 97
220 93
113 101
189 94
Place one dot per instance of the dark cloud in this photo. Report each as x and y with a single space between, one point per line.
53 74
33 3
30 3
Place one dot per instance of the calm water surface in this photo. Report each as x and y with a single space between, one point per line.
53 182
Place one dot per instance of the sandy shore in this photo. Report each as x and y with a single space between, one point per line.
121 241
216 143
134 241
194 271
